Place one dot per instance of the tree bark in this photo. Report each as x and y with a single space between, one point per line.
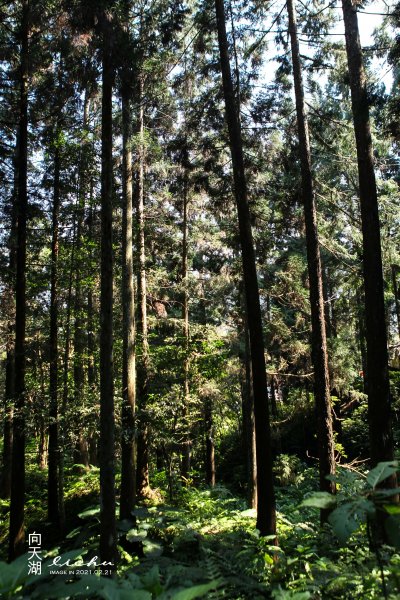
249 437
142 479
266 513
16 532
128 447
318 340
210 447
5 480
81 455
53 483
185 464
91 339
5 488
379 403
361 338
108 537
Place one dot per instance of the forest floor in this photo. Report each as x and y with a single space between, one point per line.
202 544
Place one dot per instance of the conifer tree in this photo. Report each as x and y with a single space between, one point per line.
319 345
379 402
266 516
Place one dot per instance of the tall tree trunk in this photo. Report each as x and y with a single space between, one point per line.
5 484
66 361
81 449
379 405
5 479
128 448
91 341
142 480
91 337
249 436
17 533
108 537
319 349
185 465
41 421
266 514
53 504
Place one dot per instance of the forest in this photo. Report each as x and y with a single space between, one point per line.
200 299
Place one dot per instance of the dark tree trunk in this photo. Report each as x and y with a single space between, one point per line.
42 430
5 488
91 339
53 483
185 465
5 480
142 479
249 436
361 338
80 451
210 448
319 349
379 405
128 458
266 514
17 533
108 549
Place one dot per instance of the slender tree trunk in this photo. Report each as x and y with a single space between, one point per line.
185 465
42 447
108 549
142 480
53 504
319 349
249 435
266 515
128 449
42 429
91 342
5 480
17 533
66 361
81 448
361 338
210 448
379 404
5 488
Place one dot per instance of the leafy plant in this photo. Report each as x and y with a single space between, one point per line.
365 507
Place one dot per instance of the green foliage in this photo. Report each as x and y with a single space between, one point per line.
351 511
15 583
206 545
288 470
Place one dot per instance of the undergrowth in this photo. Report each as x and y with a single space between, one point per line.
205 544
